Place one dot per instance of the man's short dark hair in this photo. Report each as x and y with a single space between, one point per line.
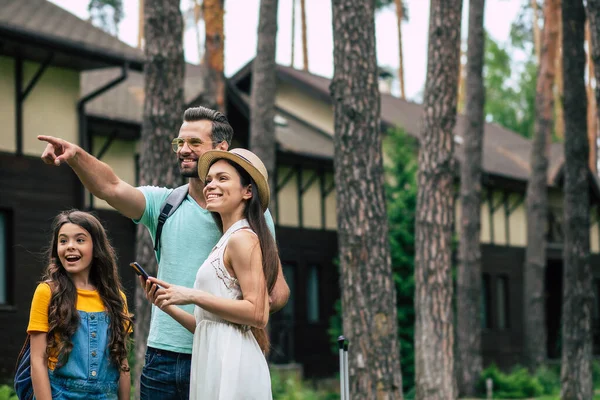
221 129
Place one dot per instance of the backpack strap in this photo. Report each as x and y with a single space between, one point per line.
171 204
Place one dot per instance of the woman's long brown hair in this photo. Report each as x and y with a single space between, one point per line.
270 257
63 318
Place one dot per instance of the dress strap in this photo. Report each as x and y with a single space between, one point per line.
241 224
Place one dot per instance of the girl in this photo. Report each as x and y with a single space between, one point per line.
79 325
232 286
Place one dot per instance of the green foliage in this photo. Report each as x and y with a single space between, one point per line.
106 14
401 197
7 393
521 32
335 326
290 388
518 384
596 374
510 95
549 378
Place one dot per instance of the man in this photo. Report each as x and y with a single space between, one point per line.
186 241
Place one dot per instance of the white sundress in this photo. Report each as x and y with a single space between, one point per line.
227 363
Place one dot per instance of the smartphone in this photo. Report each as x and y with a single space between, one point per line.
139 270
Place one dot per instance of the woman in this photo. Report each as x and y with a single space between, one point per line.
233 285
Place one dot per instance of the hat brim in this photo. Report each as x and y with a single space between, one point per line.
212 156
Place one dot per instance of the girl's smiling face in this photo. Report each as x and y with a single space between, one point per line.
223 188
75 249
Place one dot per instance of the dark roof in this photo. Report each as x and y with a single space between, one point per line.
125 102
292 134
46 26
505 153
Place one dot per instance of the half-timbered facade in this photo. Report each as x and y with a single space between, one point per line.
305 165
61 76
43 50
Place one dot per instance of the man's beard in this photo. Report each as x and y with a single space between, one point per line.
188 173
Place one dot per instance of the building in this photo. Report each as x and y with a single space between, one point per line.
303 101
61 76
43 50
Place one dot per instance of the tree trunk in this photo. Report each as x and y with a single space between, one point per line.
593 14
468 297
163 107
559 121
536 31
214 55
140 39
368 290
576 370
400 17
434 325
537 197
304 39
197 17
293 33
592 112
460 102
264 86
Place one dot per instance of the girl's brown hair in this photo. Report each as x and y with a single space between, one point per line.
63 318
270 257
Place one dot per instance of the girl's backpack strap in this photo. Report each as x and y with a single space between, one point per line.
23 384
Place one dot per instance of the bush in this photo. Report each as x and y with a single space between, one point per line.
291 388
549 378
7 393
518 384
596 374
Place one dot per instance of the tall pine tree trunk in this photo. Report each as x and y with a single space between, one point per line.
400 17
468 299
593 14
304 35
592 112
368 290
214 54
576 371
262 108
537 37
559 119
293 44
537 196
434 325
163 109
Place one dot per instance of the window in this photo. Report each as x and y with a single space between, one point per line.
486 302
312 294
502 302
4 221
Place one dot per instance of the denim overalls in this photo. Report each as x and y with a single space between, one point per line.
89 372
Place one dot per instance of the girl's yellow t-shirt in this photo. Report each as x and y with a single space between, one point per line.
87 301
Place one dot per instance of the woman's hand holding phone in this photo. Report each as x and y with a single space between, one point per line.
149 287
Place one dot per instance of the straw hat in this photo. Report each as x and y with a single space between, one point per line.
245 159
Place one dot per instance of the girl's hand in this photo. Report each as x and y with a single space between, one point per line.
172 294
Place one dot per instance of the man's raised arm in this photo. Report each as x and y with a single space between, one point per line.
96 176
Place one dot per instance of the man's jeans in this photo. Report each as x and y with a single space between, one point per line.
165 376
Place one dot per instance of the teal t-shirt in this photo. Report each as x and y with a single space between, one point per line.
187 238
